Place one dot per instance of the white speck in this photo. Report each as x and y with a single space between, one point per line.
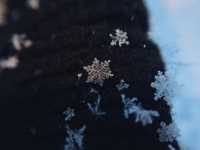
79 75
119 38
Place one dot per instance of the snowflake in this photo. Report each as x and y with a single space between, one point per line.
122 85
94 108
167 133
164 86
119 38
74 140
69 114
142 115
98 71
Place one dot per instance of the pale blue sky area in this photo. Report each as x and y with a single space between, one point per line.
175 27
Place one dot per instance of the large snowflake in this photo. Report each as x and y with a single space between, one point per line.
168 133
98 71
119 38
164 86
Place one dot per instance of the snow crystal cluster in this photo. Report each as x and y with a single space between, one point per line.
119 38
142 115
167 133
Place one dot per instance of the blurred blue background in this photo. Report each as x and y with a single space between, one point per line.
175 27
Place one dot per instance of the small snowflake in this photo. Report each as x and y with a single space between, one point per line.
122 85
142 115
20 41
167 133
164 86
119 38
98 72
95 108
69 114
74 140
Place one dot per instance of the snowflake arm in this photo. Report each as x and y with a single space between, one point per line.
69 114
74 140
95 108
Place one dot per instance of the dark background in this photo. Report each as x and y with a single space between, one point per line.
67 35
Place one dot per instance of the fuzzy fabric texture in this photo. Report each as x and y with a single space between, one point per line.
67 35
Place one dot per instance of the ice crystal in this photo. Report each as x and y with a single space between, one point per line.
95 108
98 71
167 133
119 38
141 115
69 114
74 140
122 85
164 86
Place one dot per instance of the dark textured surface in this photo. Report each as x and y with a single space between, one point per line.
67 35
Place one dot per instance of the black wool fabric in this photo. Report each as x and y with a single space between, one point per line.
67 35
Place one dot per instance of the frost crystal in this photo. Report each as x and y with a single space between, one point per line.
142 115
74 140
94 108
98 71
164 86
167 133
122 85
119 38
69 114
